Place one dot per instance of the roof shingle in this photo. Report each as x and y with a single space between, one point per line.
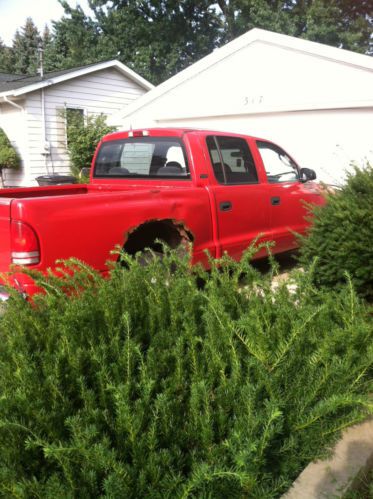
13 81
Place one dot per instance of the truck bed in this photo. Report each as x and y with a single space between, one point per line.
36 192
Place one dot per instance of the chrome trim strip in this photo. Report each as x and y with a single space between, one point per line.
25 254
25 261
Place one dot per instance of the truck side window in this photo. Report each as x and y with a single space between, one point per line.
278 165
231 160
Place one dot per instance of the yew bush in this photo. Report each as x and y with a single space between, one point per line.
162 382
339 241
9 158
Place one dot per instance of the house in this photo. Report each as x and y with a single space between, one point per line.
32 111
314 100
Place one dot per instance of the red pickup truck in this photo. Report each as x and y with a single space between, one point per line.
216 190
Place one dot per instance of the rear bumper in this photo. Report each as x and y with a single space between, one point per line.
21 283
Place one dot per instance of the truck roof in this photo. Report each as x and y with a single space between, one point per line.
169 132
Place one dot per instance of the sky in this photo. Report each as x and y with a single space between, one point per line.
13 14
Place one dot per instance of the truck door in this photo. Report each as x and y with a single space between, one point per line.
240 202
287 195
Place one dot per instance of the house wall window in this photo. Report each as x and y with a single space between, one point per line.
74 118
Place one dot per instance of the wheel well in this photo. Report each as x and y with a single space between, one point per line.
150 233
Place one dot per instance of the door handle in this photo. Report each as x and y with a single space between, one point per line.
225 206
275 201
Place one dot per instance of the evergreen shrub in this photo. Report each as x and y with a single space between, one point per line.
341 235
162 382
83 135
9 158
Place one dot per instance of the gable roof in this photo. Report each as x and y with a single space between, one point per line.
14 85
299 45
5 77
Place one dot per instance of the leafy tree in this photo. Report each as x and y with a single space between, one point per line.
341 23
25 48
83 137
75 40
9 157
239 16
158 38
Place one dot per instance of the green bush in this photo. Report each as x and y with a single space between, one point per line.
342 234
9 157
160 382
83 137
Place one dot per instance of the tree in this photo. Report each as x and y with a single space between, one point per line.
340 23
159 38
75 40
9 157
239 16
25 48
6 58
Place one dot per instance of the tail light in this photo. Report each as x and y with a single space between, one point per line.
24 244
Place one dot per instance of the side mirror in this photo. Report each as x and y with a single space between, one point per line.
307 174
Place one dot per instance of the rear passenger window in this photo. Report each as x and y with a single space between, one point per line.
231 160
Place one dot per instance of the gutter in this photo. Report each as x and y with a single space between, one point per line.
12 103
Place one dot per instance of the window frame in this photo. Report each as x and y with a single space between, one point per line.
146 139
226 180
276 148
68 108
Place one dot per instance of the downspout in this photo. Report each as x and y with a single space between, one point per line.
44 142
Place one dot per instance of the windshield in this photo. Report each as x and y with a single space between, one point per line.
144 157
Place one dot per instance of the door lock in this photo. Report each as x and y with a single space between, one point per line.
225 206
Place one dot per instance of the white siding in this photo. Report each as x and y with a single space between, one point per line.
259 78
105 91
